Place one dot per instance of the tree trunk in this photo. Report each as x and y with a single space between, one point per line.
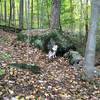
32 13
71 16
55 17
86 21
38 13
14 14
48 13
28 14
13 5
80 24
1 11
5 11
21 14
28 20
91 43
41 14
10 17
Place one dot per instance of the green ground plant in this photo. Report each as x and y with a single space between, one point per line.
2 72
5 56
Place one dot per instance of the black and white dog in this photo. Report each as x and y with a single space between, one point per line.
52 52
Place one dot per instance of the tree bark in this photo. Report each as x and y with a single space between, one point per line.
91 43
13 5
28 14
47 7
32 13
55 17
42 14
5 11
10 17
71 16
86 20
80 24
21 14
1 11
38 23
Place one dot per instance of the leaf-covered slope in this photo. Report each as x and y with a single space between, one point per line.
58 80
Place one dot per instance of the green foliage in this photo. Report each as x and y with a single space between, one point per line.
2 72
33 40
5 56
78 42
34 68
22 37
38 43
60 38
70 13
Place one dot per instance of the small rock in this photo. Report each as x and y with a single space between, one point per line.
6 98
11 92
14 98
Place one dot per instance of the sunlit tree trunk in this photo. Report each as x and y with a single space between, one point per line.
55 16
1 12
91 42
21 14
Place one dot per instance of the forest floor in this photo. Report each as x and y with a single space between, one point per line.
57 80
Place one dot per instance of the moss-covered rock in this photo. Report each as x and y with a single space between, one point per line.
34 68
74 57
41 41
22 37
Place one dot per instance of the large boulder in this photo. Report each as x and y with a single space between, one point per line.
74 57
47 40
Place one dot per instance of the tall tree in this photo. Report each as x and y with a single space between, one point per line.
38 14
55 16
21 14
48 16
1 10
11 9
71 16
42 14
5 11
81 25
28 14
32 13
86 19
91 42
13 14
28 21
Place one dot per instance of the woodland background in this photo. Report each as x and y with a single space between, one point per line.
26 27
